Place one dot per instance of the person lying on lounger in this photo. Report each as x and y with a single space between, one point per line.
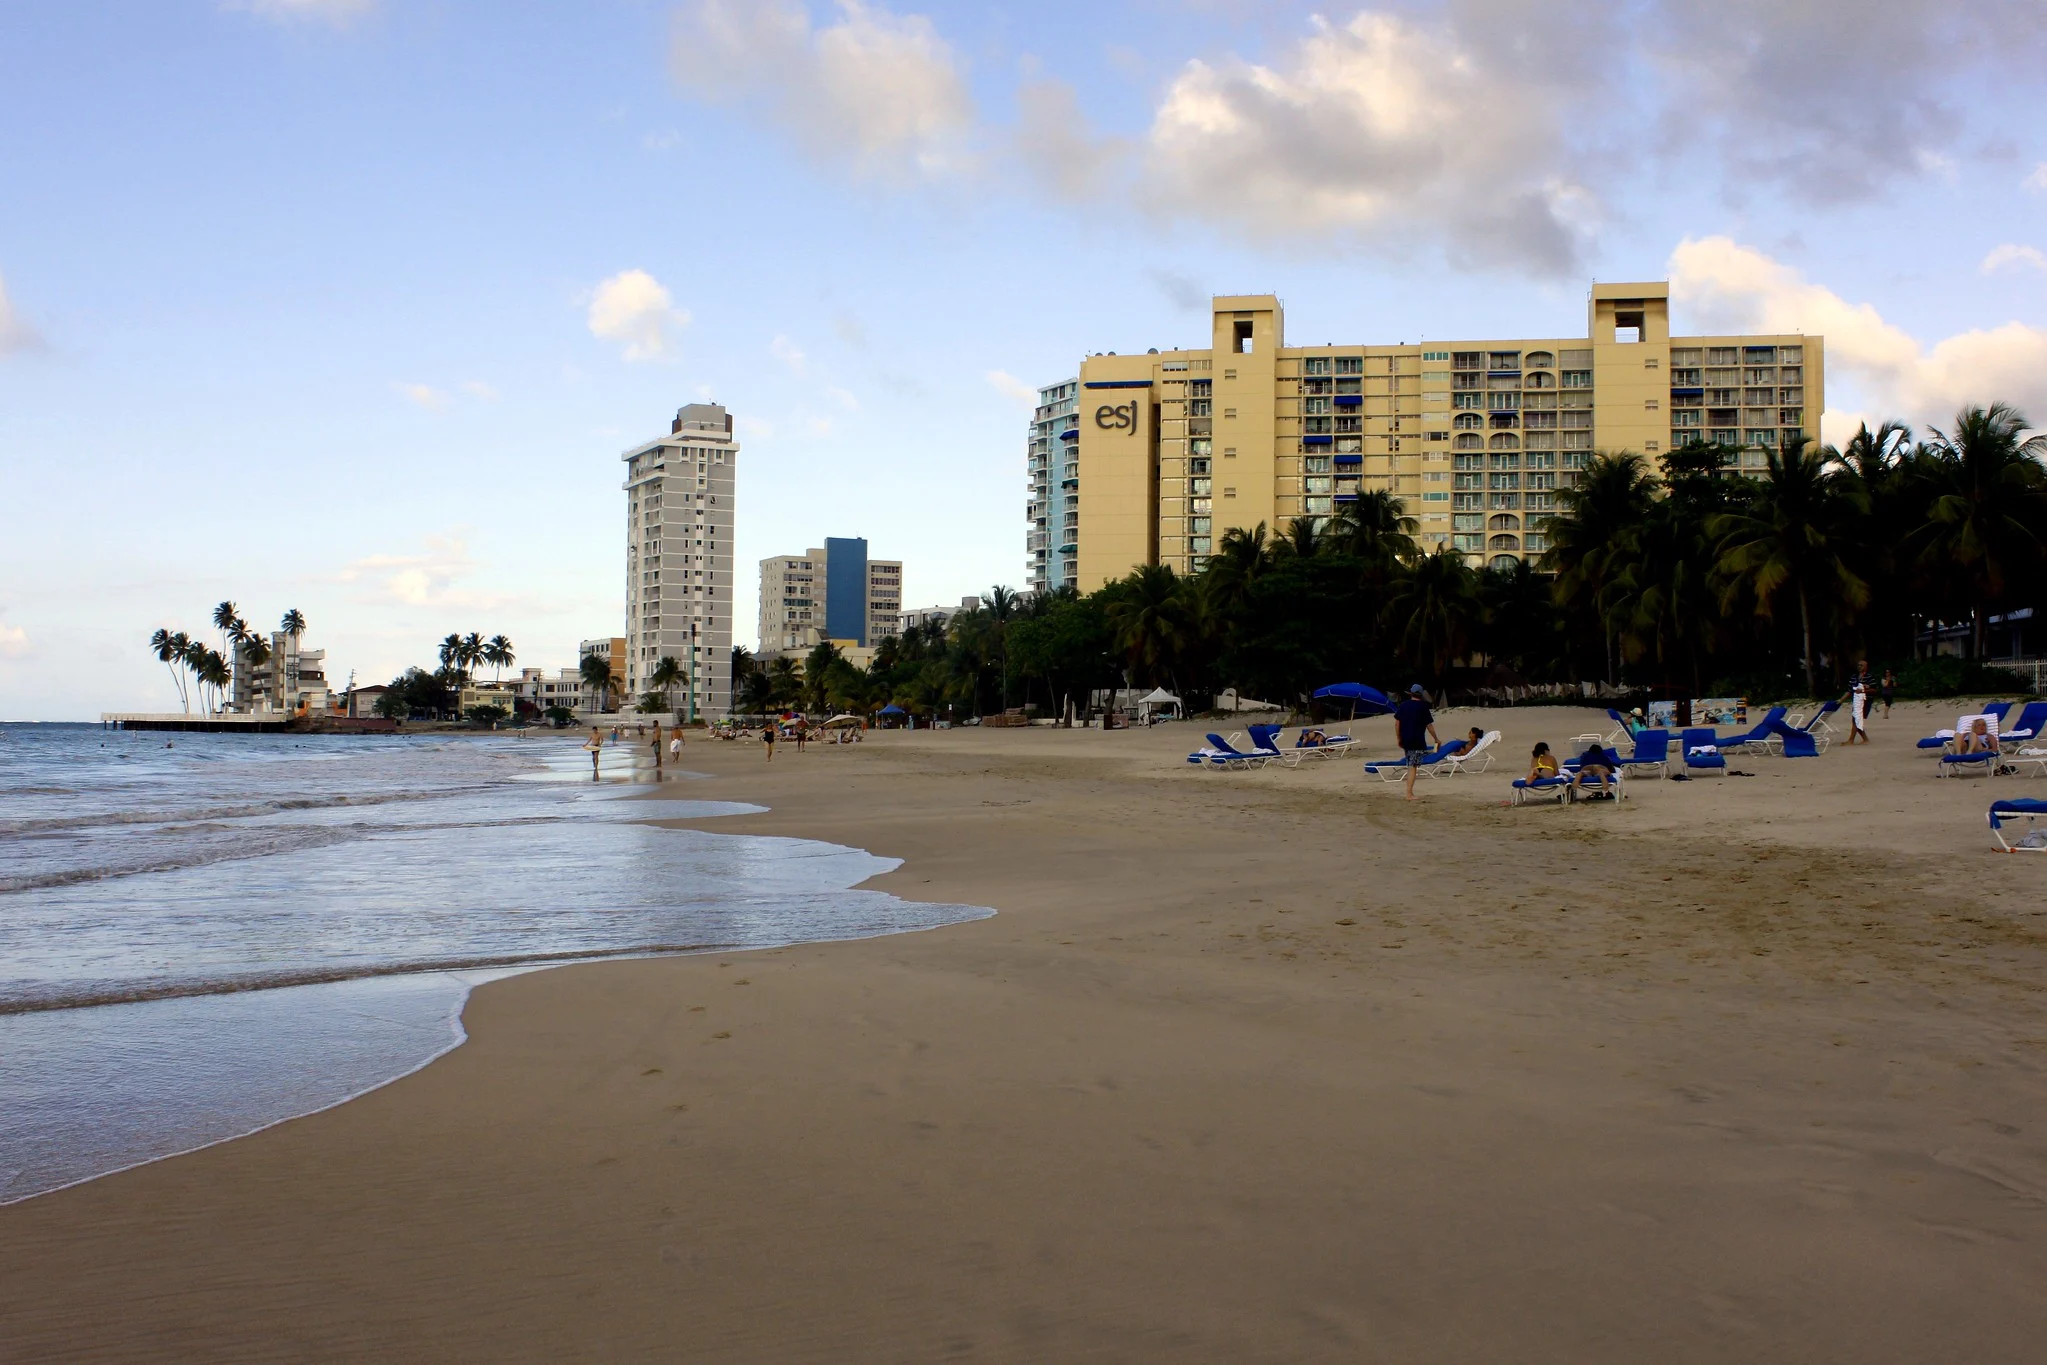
1541 763
1592 766
1468 745
1977 739
1311 738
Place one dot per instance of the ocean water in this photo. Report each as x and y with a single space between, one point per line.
202 935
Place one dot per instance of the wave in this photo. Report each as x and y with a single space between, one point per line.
138 992
248 845
195 814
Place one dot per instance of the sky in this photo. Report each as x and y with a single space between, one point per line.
352 305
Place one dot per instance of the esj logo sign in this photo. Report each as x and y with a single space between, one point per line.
1120 417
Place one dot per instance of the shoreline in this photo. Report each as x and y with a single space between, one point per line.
1252 1066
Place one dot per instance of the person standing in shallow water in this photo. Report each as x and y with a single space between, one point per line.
657 744
595 744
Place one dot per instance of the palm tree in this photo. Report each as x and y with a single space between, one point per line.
451 655
784 682
1239 561
1593 538
252 652
170 649
1301 539
1376 529
758 689
1792 536
225 620
665 675
1988 516
1433 606
497 652
294 625
212 672
1148 621
1873 454
595 671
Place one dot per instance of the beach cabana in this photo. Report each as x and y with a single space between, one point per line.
893 715
1158 699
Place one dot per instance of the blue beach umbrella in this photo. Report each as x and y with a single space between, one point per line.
1364 701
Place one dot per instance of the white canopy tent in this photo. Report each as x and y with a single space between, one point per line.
1158 699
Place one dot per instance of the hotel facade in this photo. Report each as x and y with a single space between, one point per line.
835 593
679 491
1163 452
1053 512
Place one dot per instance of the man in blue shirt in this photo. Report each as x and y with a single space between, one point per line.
1417 726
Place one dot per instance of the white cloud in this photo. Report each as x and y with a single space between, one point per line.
1727 287
15 334
477 388
633 308
425 395
880 91
2011 256
784 350
1379 129
1012 388
426 579
843 398
336 12
2037 181
14 642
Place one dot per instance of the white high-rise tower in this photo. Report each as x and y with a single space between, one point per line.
678 595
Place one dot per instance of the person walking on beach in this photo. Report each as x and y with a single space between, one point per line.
1417 726
768 739
595 744
657 744
1890 691
802 733
1858 703
675 746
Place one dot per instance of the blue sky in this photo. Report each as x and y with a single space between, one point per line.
350 305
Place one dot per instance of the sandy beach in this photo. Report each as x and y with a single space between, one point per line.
1251 1066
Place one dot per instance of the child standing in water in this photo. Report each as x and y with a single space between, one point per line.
595 744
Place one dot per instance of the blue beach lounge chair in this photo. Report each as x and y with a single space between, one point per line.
1220 754
1526 790
1797 743
1393 769
2028 809
1326 747
1265 744
1816 723
1759 735
1702 751
1652 753
2027 726
1955 765
1477 760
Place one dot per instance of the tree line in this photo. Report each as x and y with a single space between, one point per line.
1691 576
198 668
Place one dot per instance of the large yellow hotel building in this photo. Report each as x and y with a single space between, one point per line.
1163 452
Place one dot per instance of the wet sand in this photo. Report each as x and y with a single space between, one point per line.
1264 1066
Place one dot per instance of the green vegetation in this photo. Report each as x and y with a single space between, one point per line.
1693 578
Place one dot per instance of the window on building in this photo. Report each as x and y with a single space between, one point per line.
1241 336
